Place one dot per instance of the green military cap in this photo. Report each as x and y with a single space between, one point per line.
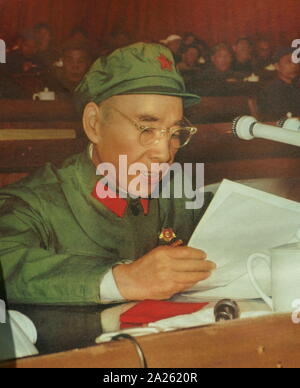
141 68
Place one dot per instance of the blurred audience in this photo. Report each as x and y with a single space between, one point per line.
263 54
189 59
76 60
189 39
174 43
204 49
221 62
35 61
243 50
216 79
282 96
16 43
118 38
189 66
78 34
25 59
47 52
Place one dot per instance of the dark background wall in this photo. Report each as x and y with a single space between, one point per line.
213 20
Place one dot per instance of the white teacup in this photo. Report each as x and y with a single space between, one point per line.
284 263
45 95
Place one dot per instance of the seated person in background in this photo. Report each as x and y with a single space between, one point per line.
78 34
16 43
189 39
119 39
76 60
204 50
221 63
60 242
190 61
214 80
174 43
243 61
47 52
282 95
263 54
25 59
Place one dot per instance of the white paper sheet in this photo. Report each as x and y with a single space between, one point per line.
248 309
241 221
17 337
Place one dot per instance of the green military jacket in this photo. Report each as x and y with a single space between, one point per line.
57 241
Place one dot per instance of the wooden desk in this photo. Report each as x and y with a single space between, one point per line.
28 110
212 88
218 109
27 155
20 157
268 342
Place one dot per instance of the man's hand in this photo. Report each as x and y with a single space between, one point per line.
162 272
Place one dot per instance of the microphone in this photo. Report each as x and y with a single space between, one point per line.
226 310
292 123
248 128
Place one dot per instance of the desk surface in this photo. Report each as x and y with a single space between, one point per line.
61 328
271 342
28 110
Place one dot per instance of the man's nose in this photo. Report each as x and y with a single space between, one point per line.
161 150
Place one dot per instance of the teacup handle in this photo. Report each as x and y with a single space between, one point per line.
266 258
36 96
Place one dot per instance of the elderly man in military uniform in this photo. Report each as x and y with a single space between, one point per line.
60 242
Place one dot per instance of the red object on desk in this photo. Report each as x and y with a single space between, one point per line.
152 310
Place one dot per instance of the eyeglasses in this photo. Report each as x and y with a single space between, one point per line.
179 135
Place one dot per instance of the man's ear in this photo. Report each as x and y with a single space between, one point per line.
92 122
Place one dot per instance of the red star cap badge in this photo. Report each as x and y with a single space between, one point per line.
165 63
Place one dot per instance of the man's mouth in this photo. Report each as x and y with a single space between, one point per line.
154 176
151 176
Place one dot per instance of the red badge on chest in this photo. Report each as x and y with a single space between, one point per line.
167 235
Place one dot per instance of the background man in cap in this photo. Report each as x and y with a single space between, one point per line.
61 243
174 43
281 96
243 50
76 59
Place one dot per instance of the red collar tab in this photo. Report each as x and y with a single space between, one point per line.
115 203
165 63
145 204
